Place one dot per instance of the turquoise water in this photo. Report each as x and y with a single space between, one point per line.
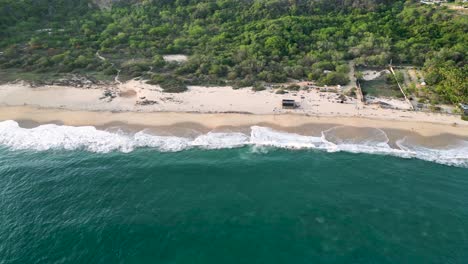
242 205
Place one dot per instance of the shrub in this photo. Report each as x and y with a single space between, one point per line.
248 81
174 86
135 67
334 78
281 91
169 83
258 87
351 92
294 87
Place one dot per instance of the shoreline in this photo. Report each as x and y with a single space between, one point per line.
100 131
137 105
209 121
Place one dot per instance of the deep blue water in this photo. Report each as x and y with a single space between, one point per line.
230 206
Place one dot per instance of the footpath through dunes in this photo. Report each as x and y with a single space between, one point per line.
348 139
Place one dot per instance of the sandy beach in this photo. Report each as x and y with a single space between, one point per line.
218 120
139 104
135 115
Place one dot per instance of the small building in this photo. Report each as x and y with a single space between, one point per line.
289 104
464 108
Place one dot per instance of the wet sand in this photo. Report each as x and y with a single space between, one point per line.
356 129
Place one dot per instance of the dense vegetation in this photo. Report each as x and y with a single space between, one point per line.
241 42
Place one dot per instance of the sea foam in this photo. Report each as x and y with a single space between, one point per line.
50 136
451 155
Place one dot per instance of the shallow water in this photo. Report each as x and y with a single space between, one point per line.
253 204
453 151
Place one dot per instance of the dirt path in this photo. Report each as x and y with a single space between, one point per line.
352 84
100 57
414 76
401 89
351 76
406 77
116 79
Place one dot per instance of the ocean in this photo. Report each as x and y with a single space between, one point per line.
82 195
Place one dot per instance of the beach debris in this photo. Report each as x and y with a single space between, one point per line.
108 95
385 105
281 91
75 81
146 102
170 99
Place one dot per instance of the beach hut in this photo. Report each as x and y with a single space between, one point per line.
289 104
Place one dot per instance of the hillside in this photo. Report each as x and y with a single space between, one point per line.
237 42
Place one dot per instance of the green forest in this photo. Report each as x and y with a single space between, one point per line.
236 42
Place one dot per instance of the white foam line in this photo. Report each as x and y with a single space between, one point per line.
268 137
48 137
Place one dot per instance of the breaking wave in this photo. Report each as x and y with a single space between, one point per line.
453 155
48 137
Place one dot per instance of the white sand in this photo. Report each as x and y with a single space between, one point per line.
175 58
208 100
372 75
395 103
197 99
